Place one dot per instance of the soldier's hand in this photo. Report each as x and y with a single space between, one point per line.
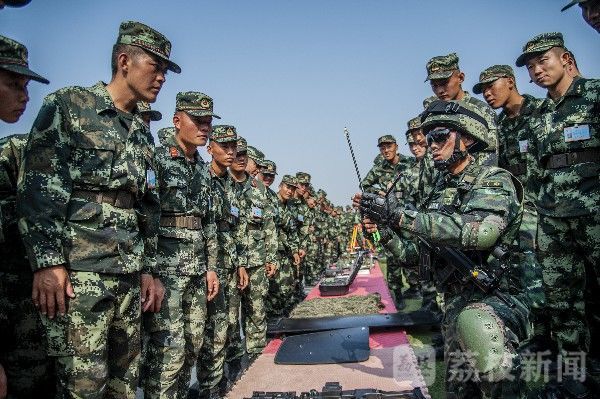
147 292
296 259
356 200
3 383
49 288
369 225
242 278
302 253
270 269
212 285
159 295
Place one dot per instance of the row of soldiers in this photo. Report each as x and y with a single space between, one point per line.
133 244
518 194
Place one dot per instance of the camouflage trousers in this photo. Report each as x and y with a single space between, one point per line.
222 315
253 317
474 368
96 345
569 251
175 336
281 288
23 355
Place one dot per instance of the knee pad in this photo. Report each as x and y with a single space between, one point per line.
483 337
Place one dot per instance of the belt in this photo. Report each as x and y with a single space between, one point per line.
116 198
254 226
223 226
186 222
571 158
518 169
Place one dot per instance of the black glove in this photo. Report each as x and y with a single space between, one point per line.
380 210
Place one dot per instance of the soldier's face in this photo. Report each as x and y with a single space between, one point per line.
286 191
192 130
388 150
419 146
223 153
497 93
13 96
267 179
448 89
301 190
590 10
145 75
240 162
548 69
252 167
442 144
310 201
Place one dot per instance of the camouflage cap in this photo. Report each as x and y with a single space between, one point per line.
492 74
412 125
303 177
145 108
242 145
269 167
164 134
13 58
388 138
462 116
16 3
137 34
321 193
255 154
223 134
442 67
539 44
290 180
195 104
572 3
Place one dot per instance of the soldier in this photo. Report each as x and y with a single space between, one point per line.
255 158
379 180
25 370
231 258
148 114
261 238
446 78
267 173
475 209
89 222
567 148
282 285
187 250
590 11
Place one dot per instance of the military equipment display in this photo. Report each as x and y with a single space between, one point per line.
333 390
340 283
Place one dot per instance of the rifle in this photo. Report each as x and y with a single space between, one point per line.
333 390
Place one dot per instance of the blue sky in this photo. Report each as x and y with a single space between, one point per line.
291 74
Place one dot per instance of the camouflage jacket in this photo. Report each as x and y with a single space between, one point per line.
184 189
382 174
570 126
260 236
228 221
299 211
12 250
455 209
514 135
287 232
80 146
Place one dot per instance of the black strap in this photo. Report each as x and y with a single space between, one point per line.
451 107
558 161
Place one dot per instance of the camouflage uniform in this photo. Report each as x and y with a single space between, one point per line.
442 67
261 244
187 249
84 203
223 309
23 350
28 370
378 180
281 286
475 211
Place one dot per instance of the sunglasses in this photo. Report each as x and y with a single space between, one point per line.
439 135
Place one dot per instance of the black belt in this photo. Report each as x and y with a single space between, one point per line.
116 198
223 226
186 222
518 169
572 158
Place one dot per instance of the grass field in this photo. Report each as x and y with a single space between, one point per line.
419 341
